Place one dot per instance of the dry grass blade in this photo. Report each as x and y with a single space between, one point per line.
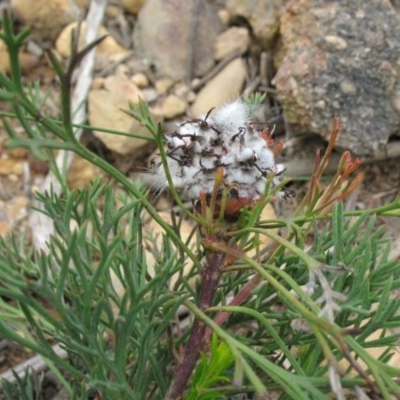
41 225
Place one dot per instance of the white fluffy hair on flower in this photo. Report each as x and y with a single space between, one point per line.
224 138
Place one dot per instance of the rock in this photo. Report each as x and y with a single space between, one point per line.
82 173
10 166
224 87
34 48
224 16
113 11
18 153
150 94
184 92
105 111
46 18
4 58
140 80
11 214
163 85
263 16
341 58
122 85
181 90
108 46
97 82
173 106
164 36
83 3
235 40
132 6
26 60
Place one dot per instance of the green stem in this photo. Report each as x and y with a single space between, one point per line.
13 44
311 262
129 185
85 126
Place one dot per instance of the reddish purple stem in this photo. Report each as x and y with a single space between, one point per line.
209 282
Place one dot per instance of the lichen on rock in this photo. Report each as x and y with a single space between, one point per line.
341 59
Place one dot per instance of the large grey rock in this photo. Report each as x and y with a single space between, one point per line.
177 36
341 58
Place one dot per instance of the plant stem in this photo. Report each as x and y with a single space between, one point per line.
209 281
236 301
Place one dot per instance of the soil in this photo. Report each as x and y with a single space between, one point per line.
12 354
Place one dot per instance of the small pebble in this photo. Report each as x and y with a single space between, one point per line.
140 80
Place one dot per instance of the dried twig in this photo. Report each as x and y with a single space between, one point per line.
109 69
251 87
264 68
41 225
304 167
219 67
35 364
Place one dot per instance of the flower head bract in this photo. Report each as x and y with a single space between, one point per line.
227 139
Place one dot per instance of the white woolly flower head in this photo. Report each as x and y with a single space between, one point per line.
224 139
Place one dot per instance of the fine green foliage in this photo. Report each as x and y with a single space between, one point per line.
26 388
210 371
307 313
70 295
